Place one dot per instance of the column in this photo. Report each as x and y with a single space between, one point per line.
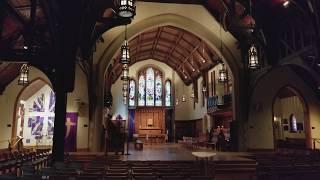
59 122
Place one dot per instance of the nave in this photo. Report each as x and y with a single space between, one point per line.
163 161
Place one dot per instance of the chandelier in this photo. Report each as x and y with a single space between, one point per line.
222 77
253 57
126 8
24 75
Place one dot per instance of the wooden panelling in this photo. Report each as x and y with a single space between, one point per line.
150 120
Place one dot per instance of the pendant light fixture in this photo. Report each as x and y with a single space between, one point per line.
183 95
126 8
125 91
253 57
125 61
125 72
125 50
192 92
222 75
24 75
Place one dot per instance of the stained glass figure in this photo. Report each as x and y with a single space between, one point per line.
150 87
158 100
142 93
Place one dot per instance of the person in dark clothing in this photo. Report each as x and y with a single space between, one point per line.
211 132
221 141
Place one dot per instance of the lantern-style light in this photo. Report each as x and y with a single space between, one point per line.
253 58
125 99
204 88
24 75
183 98
125 91
125 73
126 8
192 94
125 54
222 77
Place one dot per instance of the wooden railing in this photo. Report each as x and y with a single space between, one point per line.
14 143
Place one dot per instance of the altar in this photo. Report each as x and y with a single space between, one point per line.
150 124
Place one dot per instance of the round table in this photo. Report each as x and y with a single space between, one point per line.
205 156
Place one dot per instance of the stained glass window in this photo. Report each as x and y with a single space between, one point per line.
158 90
36 118
150 87
168 93
142 93
132 91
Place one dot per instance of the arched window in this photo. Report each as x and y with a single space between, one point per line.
168 93
150 87
142 93
132 92
158 89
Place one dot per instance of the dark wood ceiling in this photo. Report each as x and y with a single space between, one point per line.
8 72
183 51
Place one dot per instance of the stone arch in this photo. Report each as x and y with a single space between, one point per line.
34 82
306 121
231 55
259 125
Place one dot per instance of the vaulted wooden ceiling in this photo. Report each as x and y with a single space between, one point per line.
181 50
24 28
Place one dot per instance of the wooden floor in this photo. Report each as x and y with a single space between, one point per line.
170 152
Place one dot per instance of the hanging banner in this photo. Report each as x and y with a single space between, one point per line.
70 138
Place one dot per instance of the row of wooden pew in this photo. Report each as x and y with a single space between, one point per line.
289 164
13 162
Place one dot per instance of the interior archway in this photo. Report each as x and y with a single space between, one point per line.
34 114
290 120
204 26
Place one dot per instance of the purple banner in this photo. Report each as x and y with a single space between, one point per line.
70 138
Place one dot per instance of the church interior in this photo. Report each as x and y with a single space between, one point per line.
160 89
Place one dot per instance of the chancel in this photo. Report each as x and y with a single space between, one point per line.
152 89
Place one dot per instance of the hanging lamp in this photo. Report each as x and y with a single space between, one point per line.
253 57
222 76
126 8
24 75
125 50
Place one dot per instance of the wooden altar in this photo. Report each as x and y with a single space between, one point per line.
150 124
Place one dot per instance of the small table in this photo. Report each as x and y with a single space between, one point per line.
204 155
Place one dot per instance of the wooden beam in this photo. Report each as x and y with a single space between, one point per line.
173 47
17 15
156 41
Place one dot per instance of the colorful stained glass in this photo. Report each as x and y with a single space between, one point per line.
168 93
158 100
142 93
38 129
132 91
150 87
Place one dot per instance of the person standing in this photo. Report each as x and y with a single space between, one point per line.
221 141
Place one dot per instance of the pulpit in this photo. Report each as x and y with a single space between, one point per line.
150 124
